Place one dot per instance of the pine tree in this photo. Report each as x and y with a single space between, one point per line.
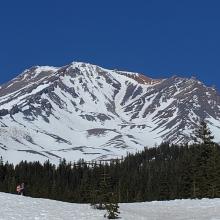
204 161
203 134
1 161
104 191
2 174
112 208
103 196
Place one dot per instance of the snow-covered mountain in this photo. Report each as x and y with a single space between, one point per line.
26 208
85 111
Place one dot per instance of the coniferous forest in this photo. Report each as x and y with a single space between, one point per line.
160 173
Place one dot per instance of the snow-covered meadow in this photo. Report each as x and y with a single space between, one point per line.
22 208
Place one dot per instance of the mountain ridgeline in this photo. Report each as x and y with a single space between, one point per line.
85 111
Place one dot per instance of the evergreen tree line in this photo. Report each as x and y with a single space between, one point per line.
160 173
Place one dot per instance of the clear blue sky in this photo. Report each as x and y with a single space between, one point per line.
157 37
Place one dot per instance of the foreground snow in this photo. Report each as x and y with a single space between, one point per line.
18 207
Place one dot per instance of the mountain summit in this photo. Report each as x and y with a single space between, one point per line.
85 111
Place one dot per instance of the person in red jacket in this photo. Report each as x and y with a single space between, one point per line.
20 189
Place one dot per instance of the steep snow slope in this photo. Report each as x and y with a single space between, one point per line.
85 111
24 208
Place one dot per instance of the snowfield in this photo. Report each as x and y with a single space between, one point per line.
22 208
